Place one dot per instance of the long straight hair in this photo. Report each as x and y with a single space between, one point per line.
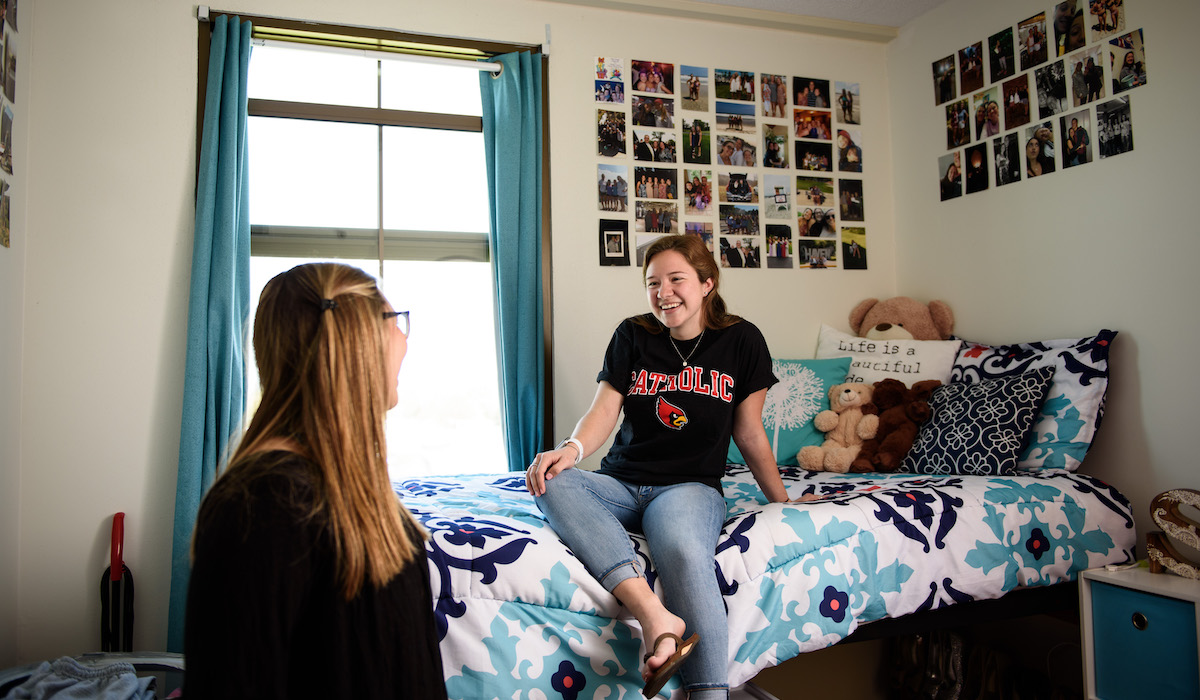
320 342
713 313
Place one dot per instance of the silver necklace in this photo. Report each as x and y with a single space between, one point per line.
694 347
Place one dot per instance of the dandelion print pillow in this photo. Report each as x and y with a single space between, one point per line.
791 405
979 429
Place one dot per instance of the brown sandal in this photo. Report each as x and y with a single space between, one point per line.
659 678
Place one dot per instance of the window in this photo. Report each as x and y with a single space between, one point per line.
379 164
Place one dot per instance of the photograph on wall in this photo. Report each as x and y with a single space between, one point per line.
811 124
654 145
614 242
811 155
613 187
733 85
1069 23
987 113
850 200
610 132
739 220
644 242
944 87
977 168
812 191
958 131
1039 149
12 14
653 111
1000 55
1127 62
693 88
816 255
656 217
1016 101
774 94
6 127
849 102
970 68
816 222
698 141
950 175
775 150
1116 129
735 117
608 68
1106 18
702 230
612 91
1006 152
651 76
779 247
812 92
656 183
1087 76
738 188
854 247
739 252
1051 89
777 197
735 150
849 155
697 190
1031 38
1076 137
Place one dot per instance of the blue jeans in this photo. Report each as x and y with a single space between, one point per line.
592 513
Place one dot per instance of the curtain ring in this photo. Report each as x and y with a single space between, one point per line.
498 73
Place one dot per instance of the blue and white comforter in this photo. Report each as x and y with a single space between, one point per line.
520 617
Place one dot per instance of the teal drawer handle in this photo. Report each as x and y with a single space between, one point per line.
1140 622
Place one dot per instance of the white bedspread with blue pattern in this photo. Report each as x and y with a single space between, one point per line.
520 617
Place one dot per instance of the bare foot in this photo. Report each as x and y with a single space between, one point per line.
667 622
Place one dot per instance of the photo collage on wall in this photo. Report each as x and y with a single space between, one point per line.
8 87
761 166
1046 105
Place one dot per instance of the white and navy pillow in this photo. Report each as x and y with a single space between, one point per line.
1067 424
981 428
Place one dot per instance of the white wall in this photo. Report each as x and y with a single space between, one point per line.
112 144
1105 245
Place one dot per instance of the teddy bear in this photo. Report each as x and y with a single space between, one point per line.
902 318
902 410
849 420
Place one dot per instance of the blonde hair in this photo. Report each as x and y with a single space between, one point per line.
320 341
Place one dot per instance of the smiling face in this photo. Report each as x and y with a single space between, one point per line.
676 294
396 349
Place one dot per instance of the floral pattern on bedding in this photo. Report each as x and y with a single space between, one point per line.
520 617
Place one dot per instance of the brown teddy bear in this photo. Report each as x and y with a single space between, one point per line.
902 410
902 318
849 420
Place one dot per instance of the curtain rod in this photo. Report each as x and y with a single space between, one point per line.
488 66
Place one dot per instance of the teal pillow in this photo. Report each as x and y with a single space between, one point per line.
791 405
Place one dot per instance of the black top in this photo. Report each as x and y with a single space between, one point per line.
678 419
266 618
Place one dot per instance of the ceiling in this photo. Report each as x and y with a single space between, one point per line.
890 13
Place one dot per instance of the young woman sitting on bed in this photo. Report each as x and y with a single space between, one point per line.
309 578
684 392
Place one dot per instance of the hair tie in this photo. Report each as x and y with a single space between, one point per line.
327 304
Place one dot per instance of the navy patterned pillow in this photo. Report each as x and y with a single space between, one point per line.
981 428
1063 431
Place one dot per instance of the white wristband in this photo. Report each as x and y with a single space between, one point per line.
578 446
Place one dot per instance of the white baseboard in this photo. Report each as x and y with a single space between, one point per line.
750 691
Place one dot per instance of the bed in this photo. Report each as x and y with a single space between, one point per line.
520 617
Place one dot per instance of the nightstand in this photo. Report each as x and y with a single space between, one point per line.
1139 634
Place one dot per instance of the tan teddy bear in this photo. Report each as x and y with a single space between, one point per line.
849 420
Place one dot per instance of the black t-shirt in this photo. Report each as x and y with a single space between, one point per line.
678 419
265 614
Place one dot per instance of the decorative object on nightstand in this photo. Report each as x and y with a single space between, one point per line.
1164 509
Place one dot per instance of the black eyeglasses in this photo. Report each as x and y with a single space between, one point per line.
401 320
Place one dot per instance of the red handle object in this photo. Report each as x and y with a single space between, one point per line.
117 563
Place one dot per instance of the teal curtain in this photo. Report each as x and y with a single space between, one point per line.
215 376
512 136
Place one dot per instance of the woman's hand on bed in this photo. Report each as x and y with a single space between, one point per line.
805 498
545 465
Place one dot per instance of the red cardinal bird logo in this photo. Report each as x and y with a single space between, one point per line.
670 415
